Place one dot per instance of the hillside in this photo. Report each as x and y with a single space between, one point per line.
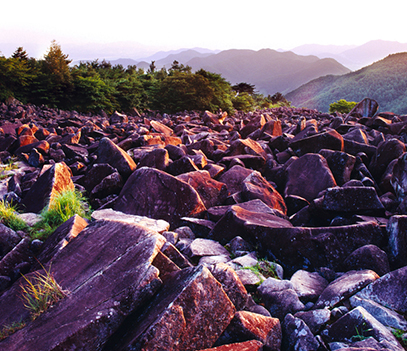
384 81
353 57
269 70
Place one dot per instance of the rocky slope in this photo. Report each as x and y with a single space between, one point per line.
283 229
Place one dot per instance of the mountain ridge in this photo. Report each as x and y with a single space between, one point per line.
384 81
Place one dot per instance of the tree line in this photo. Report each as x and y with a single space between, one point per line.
98 85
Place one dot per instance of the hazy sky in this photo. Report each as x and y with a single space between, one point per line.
213 24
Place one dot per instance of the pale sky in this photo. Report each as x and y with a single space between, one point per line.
212 24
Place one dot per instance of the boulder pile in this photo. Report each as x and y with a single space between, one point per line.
281 229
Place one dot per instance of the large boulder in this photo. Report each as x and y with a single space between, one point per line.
308 176
256 187
53 181
159 195
190 313
211 191
109 152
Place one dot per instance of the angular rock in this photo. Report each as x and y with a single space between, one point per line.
279 298
256 187
246 224
231 284
246 147
365 108
359 324
52 182
170 323
345 286
252 345
19 254
108 214
183 165
61 237
399 178
389 290
368 257
331 140
99 298
157 158
308 176
383 314
234 177
341 165
315 319
96 174
211 192
297 335
109 152
355 199
156 194
386 152
205 247
397 232
246 326
308 286
8 239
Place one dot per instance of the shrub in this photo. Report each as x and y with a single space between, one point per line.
342 106
9 217
41 292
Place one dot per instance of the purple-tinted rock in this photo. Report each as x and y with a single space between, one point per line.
308 176
331 140
156 194
211 192
52 182
368 257
345 286
397 231
109 152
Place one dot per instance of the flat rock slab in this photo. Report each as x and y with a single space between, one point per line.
108 214
247 224
355 199
345 286
390 290
189 313
308 285
108 274
157 194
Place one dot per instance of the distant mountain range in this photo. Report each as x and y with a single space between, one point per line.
354 57
385 81
269 70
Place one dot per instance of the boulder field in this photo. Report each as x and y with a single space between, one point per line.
280 229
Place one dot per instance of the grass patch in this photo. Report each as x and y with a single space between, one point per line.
9 217
401 336
62 207
40 292
9 329
6 168
264 268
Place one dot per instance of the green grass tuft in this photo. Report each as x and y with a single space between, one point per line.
62 207
9 329
9 217
40 292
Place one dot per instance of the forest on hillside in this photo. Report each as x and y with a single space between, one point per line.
96 86
384 81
